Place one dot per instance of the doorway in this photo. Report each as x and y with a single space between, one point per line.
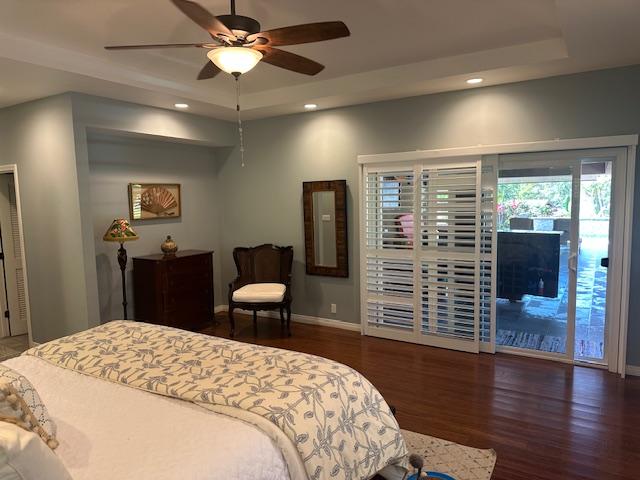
554 229
13 308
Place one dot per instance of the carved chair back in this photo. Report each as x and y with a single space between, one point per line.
263 264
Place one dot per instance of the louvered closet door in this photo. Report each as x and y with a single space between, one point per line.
11 245
387 257
18 304
449 256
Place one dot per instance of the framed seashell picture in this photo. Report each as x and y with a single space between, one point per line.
154 200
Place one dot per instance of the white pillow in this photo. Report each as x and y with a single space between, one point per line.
24 456
21 404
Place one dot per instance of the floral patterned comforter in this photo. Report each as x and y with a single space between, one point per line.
330 422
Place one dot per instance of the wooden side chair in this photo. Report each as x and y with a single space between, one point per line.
263 282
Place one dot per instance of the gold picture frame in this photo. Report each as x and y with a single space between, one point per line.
150 201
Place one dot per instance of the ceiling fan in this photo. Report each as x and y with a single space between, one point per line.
239 44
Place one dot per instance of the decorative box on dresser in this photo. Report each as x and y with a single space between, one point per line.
176 290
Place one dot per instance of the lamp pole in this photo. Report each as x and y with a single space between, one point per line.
122 261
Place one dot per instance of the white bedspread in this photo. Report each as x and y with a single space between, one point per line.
111 432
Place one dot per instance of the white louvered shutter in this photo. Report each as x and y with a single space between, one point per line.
388 270
428 245
450 226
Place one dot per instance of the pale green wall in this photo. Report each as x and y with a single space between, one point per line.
112 117
38 136
47 139
114 162
263 200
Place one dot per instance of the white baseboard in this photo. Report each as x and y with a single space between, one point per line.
295 317
633 370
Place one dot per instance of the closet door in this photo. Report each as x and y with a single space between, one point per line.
16 305
449 256
387 252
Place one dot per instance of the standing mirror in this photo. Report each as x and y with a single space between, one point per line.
325 228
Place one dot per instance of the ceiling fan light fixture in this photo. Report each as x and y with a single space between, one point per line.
234 60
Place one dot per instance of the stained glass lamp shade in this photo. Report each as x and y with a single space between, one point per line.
120 231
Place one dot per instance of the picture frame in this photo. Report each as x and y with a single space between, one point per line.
152 201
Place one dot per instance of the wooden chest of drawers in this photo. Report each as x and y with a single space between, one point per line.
174 291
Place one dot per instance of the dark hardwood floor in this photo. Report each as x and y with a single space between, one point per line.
546 420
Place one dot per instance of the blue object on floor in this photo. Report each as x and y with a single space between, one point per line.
442 476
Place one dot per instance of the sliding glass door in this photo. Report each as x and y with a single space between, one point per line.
592 334
552 256
499 252
537 252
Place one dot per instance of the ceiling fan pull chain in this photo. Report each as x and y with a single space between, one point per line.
239 121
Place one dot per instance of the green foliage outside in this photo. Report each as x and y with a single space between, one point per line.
543 199
600 193
552 199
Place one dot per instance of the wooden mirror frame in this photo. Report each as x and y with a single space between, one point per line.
339 187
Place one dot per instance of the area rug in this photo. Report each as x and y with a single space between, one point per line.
6 353
458 461
531 341
548 343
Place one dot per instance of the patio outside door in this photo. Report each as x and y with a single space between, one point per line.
552 256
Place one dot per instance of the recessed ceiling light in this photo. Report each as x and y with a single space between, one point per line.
474 81
181 105
310 106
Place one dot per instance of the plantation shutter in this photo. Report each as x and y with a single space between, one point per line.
449 257
388 270
426 261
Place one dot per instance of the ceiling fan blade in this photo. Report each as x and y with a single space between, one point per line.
163 45
208 71
289 61
307 33
203 18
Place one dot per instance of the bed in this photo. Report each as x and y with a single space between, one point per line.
120 421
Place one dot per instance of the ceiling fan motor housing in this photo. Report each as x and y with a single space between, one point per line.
240 25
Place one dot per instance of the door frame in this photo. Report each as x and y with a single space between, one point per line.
13 169
625 146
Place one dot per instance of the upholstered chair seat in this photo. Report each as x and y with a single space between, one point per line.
260 293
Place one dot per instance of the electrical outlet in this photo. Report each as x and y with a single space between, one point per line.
333 308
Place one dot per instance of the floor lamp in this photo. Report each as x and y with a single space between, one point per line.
120 231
